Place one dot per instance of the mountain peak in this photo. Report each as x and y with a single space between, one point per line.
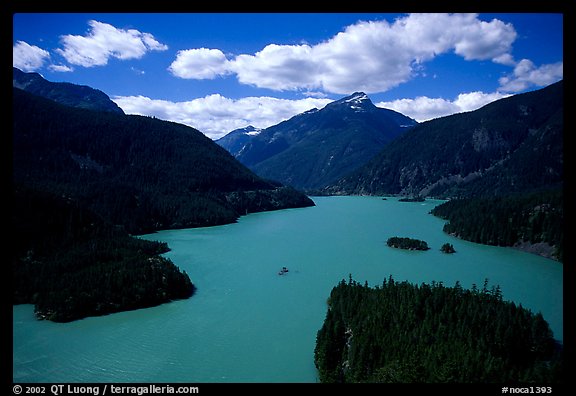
358 101
251 130
356 97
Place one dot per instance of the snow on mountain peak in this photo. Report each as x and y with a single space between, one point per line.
358 101
254 132
250 130
357 97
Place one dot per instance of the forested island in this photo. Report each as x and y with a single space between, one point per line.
412 199
448 248
399 332
407 243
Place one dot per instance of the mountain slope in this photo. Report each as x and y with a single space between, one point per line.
317 147
511 145
67 94
142 173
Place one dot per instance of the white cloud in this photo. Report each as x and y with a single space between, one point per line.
527 75
367 56
216 115
474 100
278 67
61 68
28 58
104 41
424 108
505 59
201 63
479 40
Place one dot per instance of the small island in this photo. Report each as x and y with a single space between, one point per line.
448 248
412 199
407 243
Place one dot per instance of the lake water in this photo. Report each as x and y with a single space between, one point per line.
246 323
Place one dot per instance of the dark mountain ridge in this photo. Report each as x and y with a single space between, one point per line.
139 172
74 95
510 145
317 147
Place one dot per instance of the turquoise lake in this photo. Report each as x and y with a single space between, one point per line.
247 323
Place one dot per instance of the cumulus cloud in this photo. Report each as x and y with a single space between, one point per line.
278 67
216 115
371 56
480 40
104 41
200 64
424 108
527 75
28 58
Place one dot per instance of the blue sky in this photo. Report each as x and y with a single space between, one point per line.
218 72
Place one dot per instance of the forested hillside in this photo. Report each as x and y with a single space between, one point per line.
138 172
513 145
534 222
403 333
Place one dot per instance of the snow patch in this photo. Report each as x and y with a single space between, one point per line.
357 98
254 132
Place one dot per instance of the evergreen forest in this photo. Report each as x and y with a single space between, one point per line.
407 243
399 332
535 218
70 263
139 172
